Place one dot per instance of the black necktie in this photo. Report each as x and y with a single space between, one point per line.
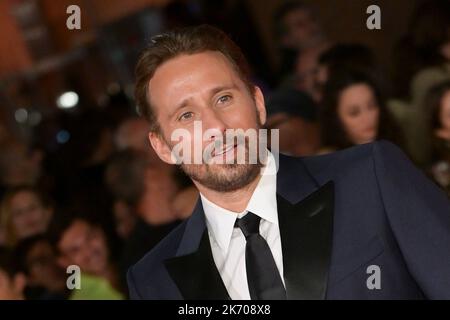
264 281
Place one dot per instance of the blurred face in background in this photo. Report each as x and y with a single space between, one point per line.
28 216
297 136
158 193
43 269
305 71
358 112
133 134
125 219
84 245
445 112
300 29
20 166
320 80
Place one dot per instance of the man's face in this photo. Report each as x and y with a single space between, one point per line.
205 87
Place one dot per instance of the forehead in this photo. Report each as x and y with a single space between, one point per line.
357 91
77 228
189 76
39 248
295 15
25 194
24 198
355 95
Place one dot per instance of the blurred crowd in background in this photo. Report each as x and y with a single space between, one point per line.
80 184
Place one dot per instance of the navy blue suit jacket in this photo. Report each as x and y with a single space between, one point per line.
339 214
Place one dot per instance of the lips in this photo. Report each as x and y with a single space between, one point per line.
224 150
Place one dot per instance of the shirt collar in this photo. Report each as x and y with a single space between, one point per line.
263 203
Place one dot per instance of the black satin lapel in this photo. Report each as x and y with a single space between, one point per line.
196 274
306 230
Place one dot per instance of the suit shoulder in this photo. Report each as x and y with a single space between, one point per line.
342 160
356 160
155 258
387 149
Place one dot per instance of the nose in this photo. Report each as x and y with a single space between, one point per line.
214 123
370 116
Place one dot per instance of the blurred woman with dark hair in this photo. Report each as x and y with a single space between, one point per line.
437 103
25 212
353 112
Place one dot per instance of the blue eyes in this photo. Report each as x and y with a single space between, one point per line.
220 101
186 116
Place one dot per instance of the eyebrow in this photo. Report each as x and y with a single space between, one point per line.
211 92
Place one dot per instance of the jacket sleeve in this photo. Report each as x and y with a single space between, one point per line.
419 215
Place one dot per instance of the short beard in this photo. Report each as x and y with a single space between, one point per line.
226 177
223 177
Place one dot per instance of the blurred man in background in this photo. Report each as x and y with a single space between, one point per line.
300 37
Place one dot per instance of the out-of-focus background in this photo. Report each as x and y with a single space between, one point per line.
79 183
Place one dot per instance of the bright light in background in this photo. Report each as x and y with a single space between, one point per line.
67 100
21 115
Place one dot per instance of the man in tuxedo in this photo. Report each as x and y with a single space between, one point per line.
362 223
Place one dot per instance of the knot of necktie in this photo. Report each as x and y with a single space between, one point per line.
249 224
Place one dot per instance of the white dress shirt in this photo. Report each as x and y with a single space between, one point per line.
228 243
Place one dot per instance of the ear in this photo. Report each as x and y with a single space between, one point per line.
160 146
260 106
